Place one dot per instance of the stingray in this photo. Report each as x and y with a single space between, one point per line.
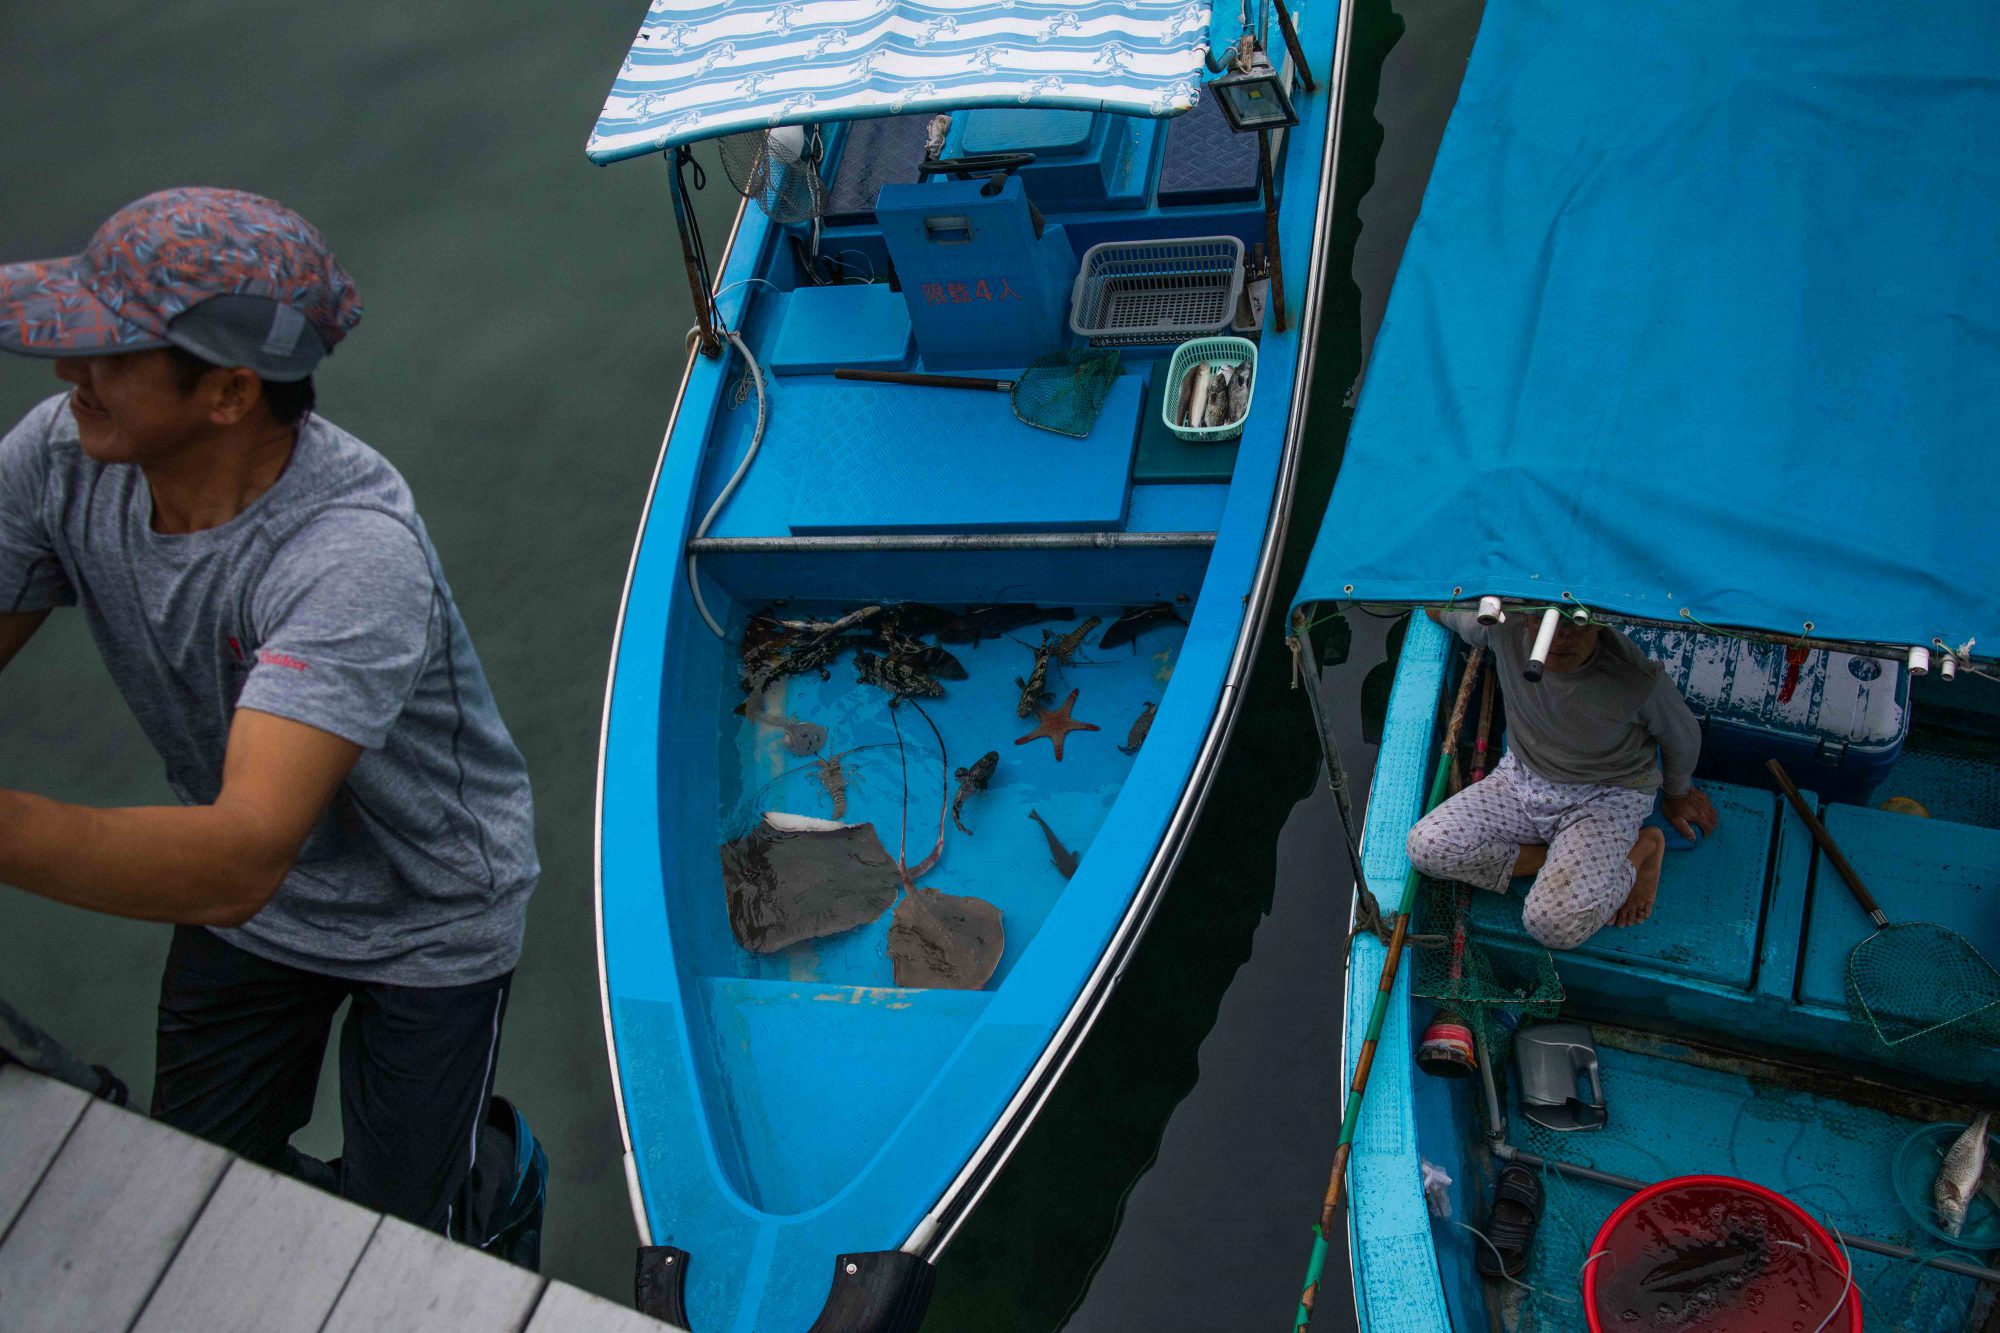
795 878
946 941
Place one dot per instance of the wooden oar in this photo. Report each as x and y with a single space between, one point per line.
1336 1189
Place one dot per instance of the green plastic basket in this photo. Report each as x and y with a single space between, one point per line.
1224 351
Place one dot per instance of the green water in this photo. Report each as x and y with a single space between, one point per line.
517 362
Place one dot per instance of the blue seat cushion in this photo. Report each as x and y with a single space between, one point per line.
1205 161
853 324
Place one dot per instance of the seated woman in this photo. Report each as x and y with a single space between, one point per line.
1568 802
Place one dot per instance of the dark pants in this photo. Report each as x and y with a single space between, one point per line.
239 1051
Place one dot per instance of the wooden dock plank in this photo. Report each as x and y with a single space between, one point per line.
413 1281
108 1216
567 1310
268 1255
36 1115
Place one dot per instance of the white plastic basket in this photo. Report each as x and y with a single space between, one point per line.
1217 351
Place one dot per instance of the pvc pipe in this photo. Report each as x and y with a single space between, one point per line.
1490 612
1920 662
1538 656
1948 667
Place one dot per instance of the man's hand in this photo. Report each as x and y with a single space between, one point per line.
206 865
1689 811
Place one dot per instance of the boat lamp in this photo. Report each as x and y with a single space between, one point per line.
1252 95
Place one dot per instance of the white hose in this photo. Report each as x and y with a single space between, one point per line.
735 478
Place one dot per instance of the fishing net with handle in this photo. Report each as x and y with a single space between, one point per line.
777 170
1064 391
1922 991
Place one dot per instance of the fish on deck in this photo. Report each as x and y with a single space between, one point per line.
1959 1178
973 780
990 622
1035 689
1136 621
1140 726
898 677
1060 856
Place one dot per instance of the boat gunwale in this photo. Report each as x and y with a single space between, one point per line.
634 1195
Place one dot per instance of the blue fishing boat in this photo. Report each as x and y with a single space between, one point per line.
1696 336
954 562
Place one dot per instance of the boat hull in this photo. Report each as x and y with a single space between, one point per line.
776 1119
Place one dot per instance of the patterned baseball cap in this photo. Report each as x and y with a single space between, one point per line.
235 278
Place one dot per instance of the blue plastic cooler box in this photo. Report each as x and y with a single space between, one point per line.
1837 724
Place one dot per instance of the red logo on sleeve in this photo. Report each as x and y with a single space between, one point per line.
286 660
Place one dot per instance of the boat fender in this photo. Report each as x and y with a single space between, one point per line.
883 1292
659 1287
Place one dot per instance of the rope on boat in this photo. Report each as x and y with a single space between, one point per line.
735 478
1367 912
909 875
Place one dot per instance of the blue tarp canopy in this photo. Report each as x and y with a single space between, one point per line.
1702 312
700 68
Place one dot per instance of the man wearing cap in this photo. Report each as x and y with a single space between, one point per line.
355 822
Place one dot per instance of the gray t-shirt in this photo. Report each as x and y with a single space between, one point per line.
323 602
1600 723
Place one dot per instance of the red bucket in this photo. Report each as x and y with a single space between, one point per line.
1718 1254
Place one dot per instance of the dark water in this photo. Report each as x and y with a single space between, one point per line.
518 359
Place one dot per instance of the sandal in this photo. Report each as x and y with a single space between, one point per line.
1517 1211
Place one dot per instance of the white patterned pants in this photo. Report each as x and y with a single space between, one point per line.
1475 837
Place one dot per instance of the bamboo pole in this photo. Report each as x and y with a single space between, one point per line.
1336 1189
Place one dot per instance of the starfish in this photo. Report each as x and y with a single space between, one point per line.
1056 724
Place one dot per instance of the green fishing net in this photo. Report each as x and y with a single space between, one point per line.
1491 987
1064 391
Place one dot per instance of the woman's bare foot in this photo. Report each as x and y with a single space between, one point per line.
1649 850
1530 859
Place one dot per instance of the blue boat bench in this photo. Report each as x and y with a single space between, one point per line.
1750 934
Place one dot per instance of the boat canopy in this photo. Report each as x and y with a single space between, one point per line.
1700 321
701 68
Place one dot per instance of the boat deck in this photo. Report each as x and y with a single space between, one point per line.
1678 1110
1724 1040
895 776
110 1221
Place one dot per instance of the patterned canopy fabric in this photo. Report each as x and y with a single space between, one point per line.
701 68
